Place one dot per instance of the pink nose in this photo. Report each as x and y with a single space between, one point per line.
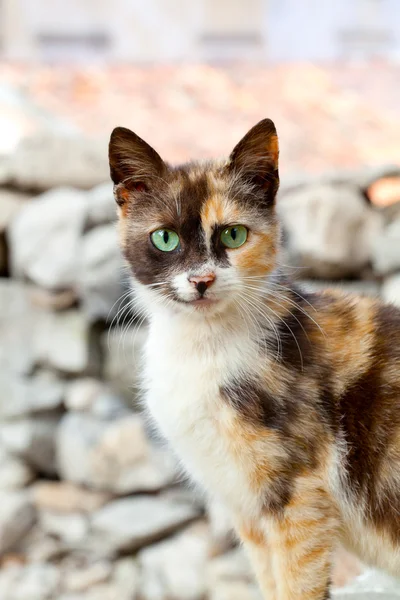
203 282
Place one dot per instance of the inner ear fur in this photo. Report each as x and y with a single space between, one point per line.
256 158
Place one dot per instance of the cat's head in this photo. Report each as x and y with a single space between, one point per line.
198 237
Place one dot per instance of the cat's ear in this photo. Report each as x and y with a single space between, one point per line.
134 165
255 158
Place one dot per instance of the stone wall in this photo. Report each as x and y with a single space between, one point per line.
91 503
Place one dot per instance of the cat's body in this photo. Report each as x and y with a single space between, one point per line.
283 405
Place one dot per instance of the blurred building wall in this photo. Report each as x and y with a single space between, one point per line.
168 30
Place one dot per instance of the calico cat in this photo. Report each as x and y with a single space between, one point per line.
282 404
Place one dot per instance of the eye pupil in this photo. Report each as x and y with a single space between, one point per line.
165 236
233 233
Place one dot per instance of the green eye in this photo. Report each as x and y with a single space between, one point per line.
234 237
165 240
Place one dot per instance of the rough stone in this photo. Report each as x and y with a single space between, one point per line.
33 337
110 456
17 329
48 160
329 229
221 527
10 204
30 582
371 585
17 516
84 579
100 272
131 523
66 497
92 396
391 289
32 439
62 341
20 397
175 569
70 528
45 238
101 205
386 249
14 472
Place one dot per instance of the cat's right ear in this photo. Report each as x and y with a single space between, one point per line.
134 165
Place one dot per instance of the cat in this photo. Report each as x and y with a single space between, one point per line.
282 404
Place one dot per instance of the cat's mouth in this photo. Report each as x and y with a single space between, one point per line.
203 302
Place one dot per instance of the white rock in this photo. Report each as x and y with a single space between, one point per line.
111 456
175 569
330 229
51 159
386 257
32 439
31 582
34 337
85 578
17 516
45 238
20 397
17 329
62 341
82 393
69 528
14 472
101 205
131 523
391 289
230 578
65 497
100 272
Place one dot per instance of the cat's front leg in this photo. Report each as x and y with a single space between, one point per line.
254 537
303 538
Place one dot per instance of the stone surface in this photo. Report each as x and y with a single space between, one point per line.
66 497
131 523
329 229
100 272
111 456
45 238
62 341
31 582
175 569
70 528
391 289
17 516
32 439
49 160
101 205
386 249
15 473
92 396
10 204
371 585
85 578
20 397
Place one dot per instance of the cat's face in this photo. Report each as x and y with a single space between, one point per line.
201 236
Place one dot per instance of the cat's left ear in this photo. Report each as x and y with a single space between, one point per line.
134 165
256 158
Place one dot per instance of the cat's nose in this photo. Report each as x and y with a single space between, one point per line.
202 282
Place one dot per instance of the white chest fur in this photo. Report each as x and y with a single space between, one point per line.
184 372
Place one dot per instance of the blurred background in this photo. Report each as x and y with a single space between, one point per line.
91 504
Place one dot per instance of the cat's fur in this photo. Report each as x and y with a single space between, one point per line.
284 405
